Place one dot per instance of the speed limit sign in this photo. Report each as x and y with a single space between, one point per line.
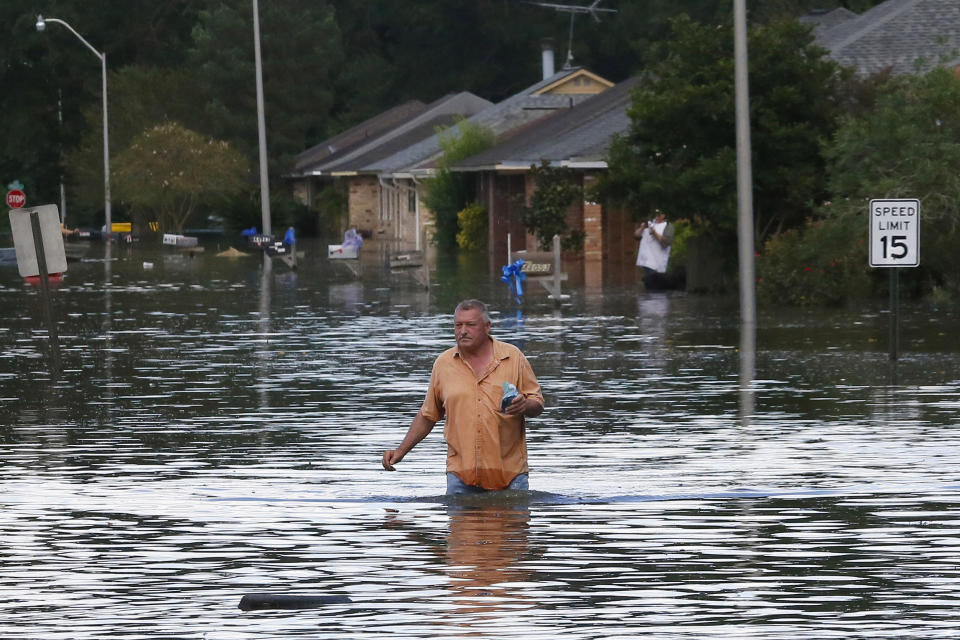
895 233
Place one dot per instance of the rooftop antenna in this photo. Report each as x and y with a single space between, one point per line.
573 9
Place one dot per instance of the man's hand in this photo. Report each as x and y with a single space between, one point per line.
391 458
418 430
524 406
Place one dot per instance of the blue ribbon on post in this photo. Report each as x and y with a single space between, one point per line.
514 277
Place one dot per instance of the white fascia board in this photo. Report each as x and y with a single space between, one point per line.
585 164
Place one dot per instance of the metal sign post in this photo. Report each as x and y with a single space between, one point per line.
45 291
895 242
39 245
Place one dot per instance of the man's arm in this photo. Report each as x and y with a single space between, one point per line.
666 238
418 430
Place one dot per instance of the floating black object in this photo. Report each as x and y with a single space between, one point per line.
259 601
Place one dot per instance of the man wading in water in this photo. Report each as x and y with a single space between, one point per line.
486 448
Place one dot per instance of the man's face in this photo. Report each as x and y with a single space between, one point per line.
470 329
660 217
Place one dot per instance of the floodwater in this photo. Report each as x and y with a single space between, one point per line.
216 430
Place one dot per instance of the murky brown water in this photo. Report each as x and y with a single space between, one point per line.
215 432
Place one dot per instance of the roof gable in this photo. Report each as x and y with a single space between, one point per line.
580 81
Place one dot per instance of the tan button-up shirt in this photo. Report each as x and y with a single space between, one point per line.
485 448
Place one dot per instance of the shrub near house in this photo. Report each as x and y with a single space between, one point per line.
823 263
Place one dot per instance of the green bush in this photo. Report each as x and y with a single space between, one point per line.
333 205
448 192
908 146
472 222
547 214
683 231
824 262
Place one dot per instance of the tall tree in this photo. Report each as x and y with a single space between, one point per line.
169 171
907 146
52 97
301 55
140 99
679 153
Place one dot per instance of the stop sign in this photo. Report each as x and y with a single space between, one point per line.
16 198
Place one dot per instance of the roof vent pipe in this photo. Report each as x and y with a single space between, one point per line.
546 49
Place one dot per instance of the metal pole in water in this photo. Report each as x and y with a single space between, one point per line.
261 127
45 291
748 307
894 313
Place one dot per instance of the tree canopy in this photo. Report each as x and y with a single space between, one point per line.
905 145
328 64
168 171
679 154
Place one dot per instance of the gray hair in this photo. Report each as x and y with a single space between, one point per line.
473 303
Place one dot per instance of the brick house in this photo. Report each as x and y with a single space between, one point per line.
402 172
373 202
383 160
577 138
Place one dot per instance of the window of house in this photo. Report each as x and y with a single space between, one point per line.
412 200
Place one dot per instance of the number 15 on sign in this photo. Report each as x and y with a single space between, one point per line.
895 233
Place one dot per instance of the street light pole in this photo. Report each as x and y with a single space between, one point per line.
261 127
745 229
41 25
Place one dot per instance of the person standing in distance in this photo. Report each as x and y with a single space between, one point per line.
656 237
486 448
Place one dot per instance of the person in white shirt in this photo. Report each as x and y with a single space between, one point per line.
655 237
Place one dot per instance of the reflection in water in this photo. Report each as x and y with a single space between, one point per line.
484 557
748 360
486 547
264 351
148 489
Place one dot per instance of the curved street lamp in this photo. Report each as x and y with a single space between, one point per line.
41 25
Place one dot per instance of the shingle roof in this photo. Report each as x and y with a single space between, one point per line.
424 129
358 134
828 19
502 118
578 135
906 36
421 125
